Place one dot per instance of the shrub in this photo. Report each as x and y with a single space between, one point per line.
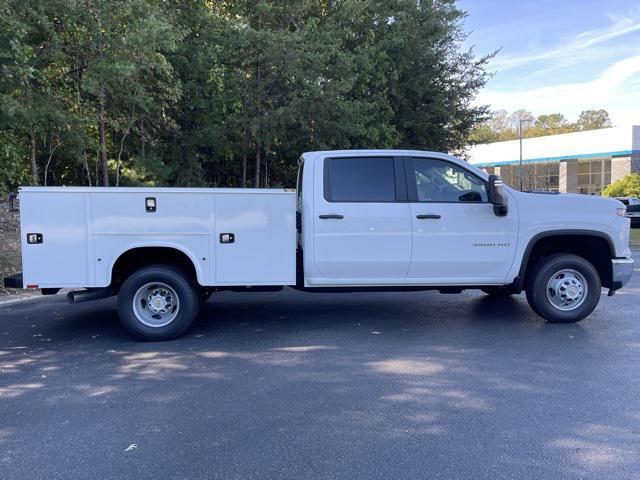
627 186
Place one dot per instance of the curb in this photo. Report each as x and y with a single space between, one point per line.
9 299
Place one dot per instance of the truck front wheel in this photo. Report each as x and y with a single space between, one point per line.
563 288
158 303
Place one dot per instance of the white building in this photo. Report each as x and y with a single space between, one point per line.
580 162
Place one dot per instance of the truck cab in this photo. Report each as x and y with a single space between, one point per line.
358 220
402 218
430 219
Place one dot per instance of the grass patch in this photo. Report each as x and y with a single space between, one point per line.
634 239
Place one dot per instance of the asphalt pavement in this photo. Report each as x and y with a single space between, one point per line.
298 385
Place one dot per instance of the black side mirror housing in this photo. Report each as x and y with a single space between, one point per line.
497 196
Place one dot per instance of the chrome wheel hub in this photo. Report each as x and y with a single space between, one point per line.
156 304
567 289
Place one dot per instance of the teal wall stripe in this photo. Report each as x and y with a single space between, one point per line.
584 156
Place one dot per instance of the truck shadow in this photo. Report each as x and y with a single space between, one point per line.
416 373
416 310
255 315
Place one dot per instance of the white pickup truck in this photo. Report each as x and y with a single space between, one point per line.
358 220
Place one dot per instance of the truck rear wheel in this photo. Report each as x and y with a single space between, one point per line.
563 288
158 303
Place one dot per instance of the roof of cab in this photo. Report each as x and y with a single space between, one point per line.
341 153
312 156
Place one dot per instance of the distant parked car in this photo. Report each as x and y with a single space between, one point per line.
633 209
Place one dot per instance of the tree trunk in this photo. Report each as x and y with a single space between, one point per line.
86 165
97 165
52 150
143 141
124 137
244 168
244 129
34 165
258 158
259 93
266 172
102 139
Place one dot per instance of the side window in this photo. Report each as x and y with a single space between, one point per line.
359 179
442 181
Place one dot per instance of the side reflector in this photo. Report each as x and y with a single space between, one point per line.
150 204
34 238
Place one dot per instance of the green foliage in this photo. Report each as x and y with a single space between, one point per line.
593 119
502 126
13 171
175 92
627 186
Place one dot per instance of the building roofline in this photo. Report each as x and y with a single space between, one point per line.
560 135
584 156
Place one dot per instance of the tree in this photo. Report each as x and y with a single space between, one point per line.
431 80
550 124
188 92
123 67
593 120
33 99
15 54
627 186
500 126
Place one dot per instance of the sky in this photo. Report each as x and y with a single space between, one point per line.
559 56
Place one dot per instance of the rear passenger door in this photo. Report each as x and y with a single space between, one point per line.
362 222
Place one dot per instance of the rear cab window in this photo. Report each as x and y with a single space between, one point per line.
360 179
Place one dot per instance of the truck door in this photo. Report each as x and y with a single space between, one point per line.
361 224
457 238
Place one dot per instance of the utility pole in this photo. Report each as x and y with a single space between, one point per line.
520 135
521 173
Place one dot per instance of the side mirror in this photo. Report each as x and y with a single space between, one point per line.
497 196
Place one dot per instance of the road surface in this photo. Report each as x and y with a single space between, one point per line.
295 385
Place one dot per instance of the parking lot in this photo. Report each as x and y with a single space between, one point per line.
295 385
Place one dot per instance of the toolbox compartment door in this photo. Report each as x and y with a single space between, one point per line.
255 239
61 258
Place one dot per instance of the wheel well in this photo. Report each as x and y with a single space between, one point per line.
136 258
593 248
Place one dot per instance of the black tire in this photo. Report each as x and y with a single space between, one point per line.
542 273
499 291
203 295
185 290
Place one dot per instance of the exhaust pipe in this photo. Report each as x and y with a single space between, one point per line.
80 296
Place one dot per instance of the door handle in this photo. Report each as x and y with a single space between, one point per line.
334 216
426 216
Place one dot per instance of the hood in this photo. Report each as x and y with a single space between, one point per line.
570 201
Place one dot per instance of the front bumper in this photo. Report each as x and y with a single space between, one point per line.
621 269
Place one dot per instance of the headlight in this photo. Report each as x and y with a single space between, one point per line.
621 212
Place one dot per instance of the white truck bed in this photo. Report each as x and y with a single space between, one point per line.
84 230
